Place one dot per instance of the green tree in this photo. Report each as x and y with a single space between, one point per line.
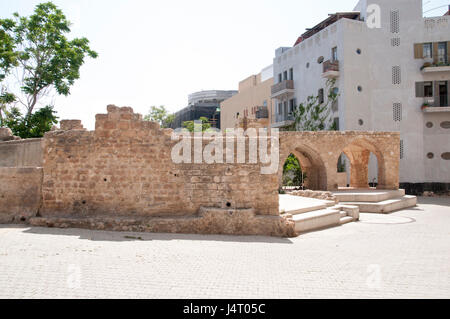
160 115
189 125
5 99
8 60
313 114
46 58
33 126
292 172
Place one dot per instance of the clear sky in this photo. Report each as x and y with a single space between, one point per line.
156 52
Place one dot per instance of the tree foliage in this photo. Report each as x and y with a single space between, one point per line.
161 115
32 126
190 125
8 60
46 57
292 172
8 56
314 115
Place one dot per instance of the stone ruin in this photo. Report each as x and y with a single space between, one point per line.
121 177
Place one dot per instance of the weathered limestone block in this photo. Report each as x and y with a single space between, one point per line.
67 125
20 194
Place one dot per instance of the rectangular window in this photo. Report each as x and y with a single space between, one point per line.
280 106
336 123
291 106
334 55
428 89
442 52
291 74
285 75
424 89
279 78
321 96
428 50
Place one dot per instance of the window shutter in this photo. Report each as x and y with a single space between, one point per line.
435 52
420 89
418 51
437 98
448 52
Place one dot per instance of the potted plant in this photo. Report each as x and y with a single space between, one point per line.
425 105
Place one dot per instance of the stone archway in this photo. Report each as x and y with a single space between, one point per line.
310 162
358 152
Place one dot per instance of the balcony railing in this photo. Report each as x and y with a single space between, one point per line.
331 68
284 118
285 86
432 103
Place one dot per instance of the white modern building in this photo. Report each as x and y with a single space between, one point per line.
392 72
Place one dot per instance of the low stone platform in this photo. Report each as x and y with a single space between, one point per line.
376 201
311 214
208 221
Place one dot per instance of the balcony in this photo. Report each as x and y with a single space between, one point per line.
330 69
432 65
435 68
282 120
285 88
429 105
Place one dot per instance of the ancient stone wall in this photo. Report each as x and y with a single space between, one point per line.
124 168
122 177
20 193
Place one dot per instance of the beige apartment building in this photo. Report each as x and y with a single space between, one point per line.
251 105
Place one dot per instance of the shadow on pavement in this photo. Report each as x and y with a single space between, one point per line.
97 235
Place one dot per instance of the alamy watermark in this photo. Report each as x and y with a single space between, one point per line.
374 279
236 146
74 277
373 18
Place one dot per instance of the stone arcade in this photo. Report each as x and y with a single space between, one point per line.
121 177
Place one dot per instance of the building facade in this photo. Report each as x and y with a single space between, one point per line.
252 103
202 104
390 68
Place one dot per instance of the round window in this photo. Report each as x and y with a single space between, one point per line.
430 155
307 65
445 125
446 156
360 88
429 124
358 51
320 59
361 122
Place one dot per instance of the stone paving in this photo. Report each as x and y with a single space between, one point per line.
402 255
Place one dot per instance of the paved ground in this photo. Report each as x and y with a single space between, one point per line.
402 255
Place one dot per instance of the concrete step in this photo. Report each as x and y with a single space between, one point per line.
317 220
368 195
295 205
343 214
386 206
346 220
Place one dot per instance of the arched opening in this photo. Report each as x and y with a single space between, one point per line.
312 172
363 165
353 168
343 171
293 175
